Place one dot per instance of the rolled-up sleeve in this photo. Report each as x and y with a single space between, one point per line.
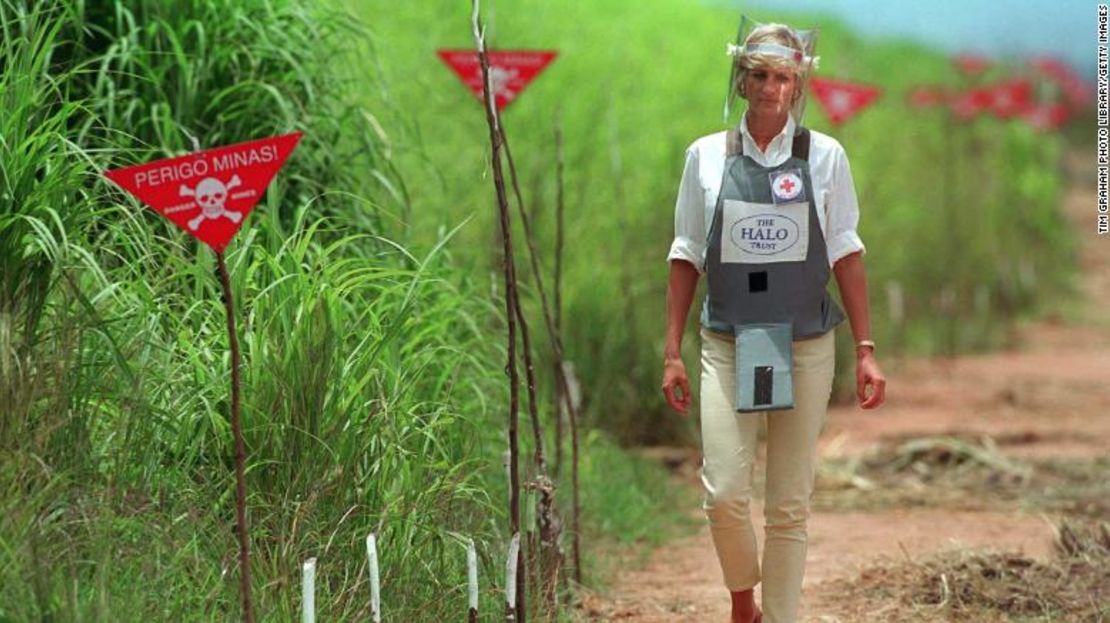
843 212
689 216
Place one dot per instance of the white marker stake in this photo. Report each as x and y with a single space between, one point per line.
472 574
574 388
308 589
510 573
375 588
896 301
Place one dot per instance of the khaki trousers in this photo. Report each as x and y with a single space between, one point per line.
729 444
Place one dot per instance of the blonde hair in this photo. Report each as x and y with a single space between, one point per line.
780 34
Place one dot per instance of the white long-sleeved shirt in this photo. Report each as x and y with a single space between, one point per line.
837 207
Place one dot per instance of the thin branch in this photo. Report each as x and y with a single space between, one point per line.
512 614
557 350
240 450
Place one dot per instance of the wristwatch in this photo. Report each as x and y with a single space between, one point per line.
866 343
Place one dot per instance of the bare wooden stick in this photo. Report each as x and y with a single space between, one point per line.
240 449
510 294
545 508
556 348
530 378
537 431
543 484
558 288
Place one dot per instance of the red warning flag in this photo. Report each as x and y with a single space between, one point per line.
510 71
209 193
1078 92
1010 98
842 100
1045 117
971 102
1005 100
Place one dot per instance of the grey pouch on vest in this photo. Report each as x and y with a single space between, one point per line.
764 367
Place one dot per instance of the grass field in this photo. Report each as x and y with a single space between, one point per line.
373 379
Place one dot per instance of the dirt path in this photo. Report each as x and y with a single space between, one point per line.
1046 398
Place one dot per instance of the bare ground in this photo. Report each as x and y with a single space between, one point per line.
1047 398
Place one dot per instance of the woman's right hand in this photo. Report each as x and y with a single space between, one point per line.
681 284
674 381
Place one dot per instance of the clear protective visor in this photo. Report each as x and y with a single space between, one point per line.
804 60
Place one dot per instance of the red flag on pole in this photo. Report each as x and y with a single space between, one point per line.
209 193
842 100
510 71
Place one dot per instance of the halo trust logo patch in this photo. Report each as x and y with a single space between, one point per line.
787 186
765 234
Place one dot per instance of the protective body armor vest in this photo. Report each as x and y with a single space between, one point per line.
767 268
766 260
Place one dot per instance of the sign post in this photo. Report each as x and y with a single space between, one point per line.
209 195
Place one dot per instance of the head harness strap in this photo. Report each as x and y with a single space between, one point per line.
768 48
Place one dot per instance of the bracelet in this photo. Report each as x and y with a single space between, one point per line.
866 343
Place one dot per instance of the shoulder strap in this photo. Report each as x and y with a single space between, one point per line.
800 149
734 143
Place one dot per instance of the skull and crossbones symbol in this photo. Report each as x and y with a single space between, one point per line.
500 78
211 194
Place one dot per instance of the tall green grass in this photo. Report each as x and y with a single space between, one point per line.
41 195
373 383
167 74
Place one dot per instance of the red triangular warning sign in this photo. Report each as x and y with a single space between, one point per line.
209 193
842 100
510 71
970 103
1005 99
1078 93
1046 117
1011 98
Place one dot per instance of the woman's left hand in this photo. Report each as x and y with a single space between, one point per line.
869 377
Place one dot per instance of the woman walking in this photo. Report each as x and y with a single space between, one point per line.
767 211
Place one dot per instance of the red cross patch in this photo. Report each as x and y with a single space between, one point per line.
787 186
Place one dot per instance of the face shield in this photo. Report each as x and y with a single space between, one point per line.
804 61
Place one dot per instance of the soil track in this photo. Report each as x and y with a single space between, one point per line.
1044 399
